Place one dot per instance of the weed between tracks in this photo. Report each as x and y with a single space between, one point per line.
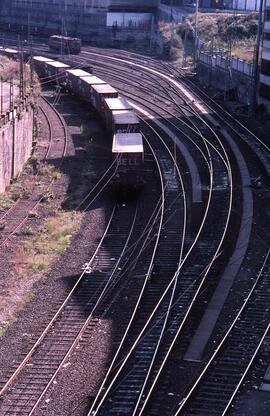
44 247
28 182
4 327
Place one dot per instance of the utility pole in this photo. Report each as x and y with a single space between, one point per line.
62 34
28 28
21 69
31 62
184 63
11 91
152 33
196 34
256 59
1 92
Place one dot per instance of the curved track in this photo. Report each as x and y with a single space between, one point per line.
194 243
17 215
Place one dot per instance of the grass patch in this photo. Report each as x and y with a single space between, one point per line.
5 202
41 249
18 190
5 327
8 324
56 174
26 231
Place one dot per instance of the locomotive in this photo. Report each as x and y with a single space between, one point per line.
117 114
65 44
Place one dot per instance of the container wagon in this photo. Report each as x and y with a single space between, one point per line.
39 65
114 104
56 71
127 151
98 94
125 121
85 86
73 79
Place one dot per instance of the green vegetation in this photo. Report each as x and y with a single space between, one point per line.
217 32
5 326
24 189
5 202
48 243
10 69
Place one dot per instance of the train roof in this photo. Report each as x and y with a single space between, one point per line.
127 143
104 89
92 80
57 64
42 59
125 117
119 103
9 50
78 72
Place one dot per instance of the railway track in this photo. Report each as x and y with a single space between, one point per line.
23 396
138 366
29 382
218 383
121 397
262 159
17 215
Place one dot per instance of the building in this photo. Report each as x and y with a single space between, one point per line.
96 21
264 84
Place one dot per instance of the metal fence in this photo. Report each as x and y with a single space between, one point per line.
226 63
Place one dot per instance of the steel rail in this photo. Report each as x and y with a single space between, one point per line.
80 334
221 344
142 290
48 327
139 337
186 106
189 96
214 256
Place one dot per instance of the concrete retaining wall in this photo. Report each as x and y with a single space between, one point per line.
226 75
16 136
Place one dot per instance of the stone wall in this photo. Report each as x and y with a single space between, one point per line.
16 136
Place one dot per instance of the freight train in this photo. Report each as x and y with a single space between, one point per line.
117 114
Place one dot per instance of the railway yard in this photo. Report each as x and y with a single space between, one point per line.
159 304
